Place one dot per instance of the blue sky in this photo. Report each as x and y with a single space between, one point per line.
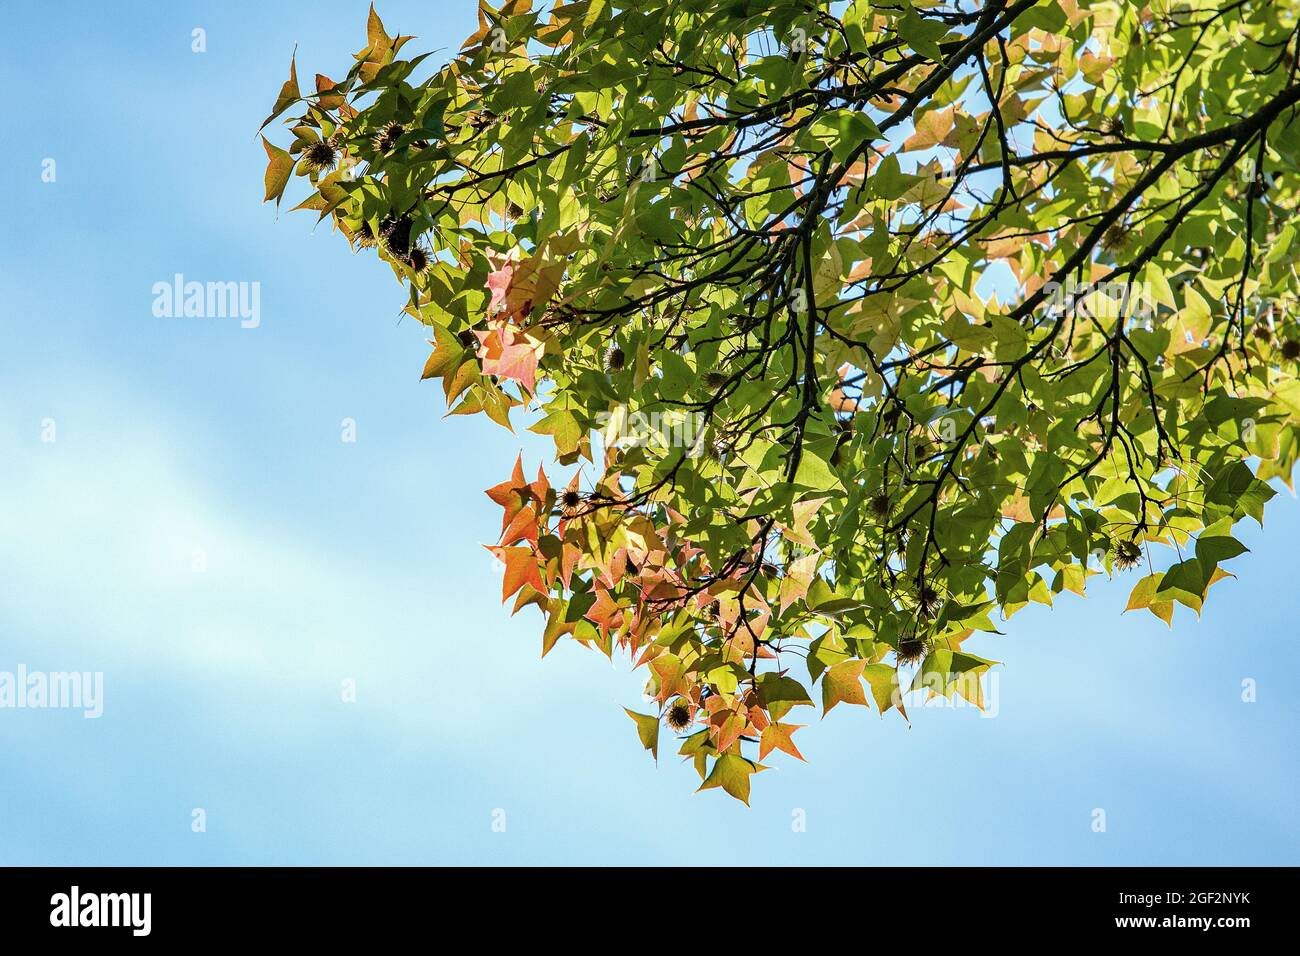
330 561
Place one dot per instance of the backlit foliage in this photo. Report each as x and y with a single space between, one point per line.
915 312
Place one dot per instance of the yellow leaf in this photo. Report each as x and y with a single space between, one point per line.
931 128
843 683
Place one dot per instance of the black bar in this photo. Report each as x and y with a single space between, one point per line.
332 904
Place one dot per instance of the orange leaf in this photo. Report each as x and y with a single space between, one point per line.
523 527
777 736
511 495
521 568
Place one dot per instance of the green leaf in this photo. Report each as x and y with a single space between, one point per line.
815 473
731 773
278 170
647 728
885 690
289 93
562 426
843 132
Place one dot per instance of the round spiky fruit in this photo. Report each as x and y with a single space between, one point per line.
615 360
395 235
1127 554
910 650
714 380
927 601
386 139
319 156
678 717
364 236
417 259
1291 350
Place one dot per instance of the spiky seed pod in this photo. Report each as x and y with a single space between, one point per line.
417 259
714 380
364 236
615 360
570 502
927 601
837 453
1291 350
386 139
1127 554
1262 332
678 717
880 506
1114 238
1113 126
395 235
319 156
910 650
